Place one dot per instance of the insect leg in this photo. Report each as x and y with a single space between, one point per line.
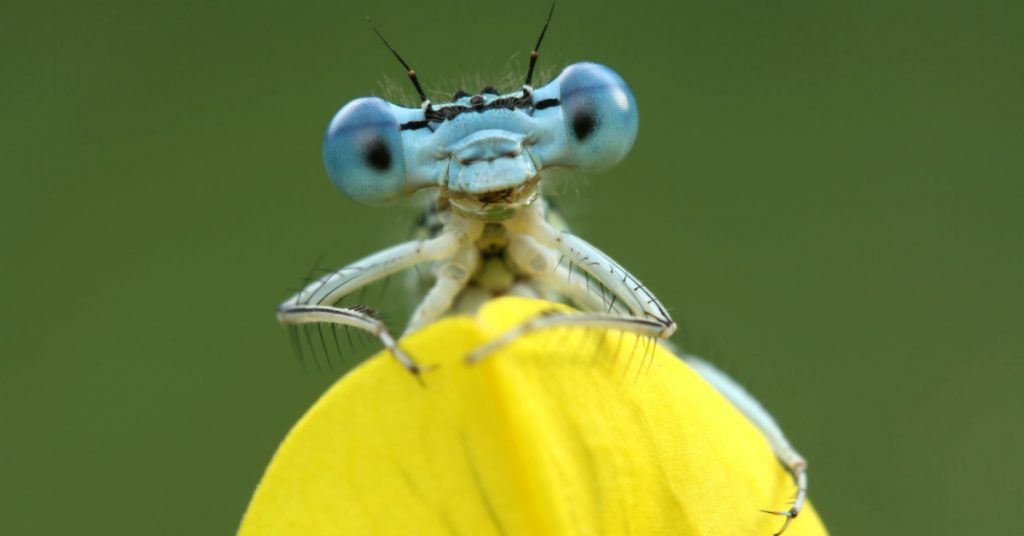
452 276
639 326
539 262
646 316
623 285
350 317
327 290
315 302
753 410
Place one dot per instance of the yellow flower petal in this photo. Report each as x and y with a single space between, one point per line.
563 432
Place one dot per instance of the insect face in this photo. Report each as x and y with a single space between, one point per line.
485 152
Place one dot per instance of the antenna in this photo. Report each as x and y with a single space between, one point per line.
411 72
536 48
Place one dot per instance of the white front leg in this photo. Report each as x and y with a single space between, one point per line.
622 284
452 276
327 290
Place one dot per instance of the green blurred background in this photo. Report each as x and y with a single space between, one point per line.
827 196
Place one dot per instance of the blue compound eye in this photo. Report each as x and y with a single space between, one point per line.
600 115
363 152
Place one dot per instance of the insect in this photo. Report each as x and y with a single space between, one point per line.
490 231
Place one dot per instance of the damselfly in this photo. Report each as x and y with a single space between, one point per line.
490 232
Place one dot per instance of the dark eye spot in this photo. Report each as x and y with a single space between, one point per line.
583 124
377 155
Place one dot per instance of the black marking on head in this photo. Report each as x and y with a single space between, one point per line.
413 125
546 103
377 155
583 124
459 94
490 90
447 112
